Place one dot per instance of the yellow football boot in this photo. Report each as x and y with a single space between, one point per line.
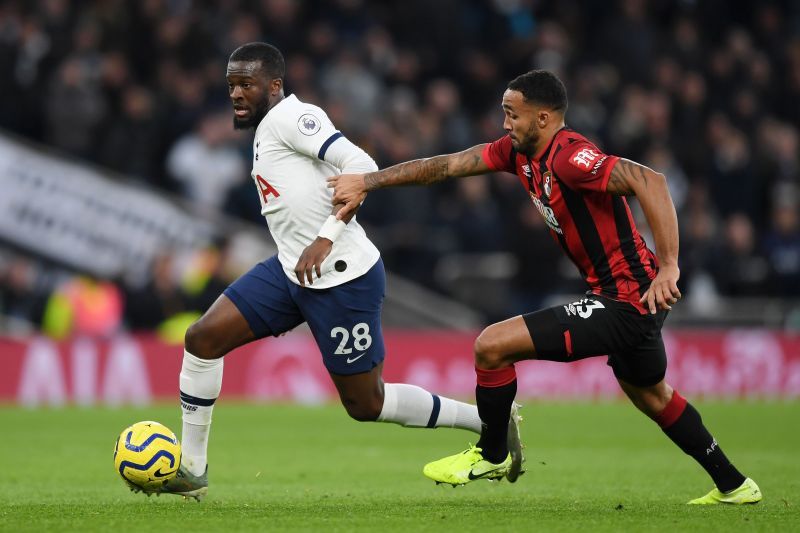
466 466
747 492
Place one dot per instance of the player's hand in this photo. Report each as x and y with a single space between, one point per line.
663 292
348 189
311 260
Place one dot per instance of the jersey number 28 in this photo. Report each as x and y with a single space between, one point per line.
361 338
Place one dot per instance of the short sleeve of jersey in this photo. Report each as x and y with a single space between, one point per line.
308 131
582 166
497 155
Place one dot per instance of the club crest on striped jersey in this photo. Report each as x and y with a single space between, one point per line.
308 124
547 183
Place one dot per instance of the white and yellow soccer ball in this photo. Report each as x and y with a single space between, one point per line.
147 455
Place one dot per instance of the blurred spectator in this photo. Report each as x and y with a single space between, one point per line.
347 81
475 216
75 108
782 243
204 163
83 306
738 268
443 105
731 173
698 234
23 291
131 140
162 297
207 276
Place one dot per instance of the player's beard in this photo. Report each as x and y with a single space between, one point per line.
255 117
528 147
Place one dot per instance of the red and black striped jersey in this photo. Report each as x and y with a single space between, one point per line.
567 183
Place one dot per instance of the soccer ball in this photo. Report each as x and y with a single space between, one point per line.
147 455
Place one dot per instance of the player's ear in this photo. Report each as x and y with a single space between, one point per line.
542 118
275 86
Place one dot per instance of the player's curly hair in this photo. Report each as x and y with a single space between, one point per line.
541 87
270 58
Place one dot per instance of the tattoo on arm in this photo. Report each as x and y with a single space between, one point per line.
625 175
426 171
467 163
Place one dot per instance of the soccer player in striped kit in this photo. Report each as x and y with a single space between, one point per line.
326 273
580 192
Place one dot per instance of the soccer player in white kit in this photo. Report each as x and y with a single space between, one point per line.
326 273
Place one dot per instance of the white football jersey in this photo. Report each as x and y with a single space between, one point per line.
290 171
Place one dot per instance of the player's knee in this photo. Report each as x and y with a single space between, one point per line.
363 410
488 350
200 342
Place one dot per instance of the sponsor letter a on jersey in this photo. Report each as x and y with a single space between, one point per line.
266 189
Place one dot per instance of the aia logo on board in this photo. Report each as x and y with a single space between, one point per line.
584 158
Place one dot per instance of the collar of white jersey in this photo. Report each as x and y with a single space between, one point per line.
271 111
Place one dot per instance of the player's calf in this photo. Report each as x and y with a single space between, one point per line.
412 406
363 409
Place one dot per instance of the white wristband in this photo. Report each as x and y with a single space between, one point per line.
332 228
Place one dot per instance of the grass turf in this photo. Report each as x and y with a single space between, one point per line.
592 467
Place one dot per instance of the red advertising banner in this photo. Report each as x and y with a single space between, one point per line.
140 368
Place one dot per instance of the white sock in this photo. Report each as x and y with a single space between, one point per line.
200 382
412 406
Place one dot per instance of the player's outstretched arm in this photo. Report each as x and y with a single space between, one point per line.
650 187
351 189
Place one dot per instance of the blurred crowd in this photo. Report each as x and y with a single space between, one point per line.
706 92
35 295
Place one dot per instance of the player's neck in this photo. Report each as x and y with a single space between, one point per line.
277 99
545 139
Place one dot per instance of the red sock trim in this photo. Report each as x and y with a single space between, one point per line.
568 342
672 412
496 378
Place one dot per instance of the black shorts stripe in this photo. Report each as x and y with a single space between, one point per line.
193 400
590 238
628 246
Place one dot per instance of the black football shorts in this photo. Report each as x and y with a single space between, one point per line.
599 326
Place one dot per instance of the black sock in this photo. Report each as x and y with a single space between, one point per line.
494 406
691 436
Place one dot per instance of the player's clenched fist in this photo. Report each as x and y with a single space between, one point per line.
348 189
663 291
311 260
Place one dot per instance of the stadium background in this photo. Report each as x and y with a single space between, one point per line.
126 203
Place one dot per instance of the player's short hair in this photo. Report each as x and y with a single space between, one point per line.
541 87
270 58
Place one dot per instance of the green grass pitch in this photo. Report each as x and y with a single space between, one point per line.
591 467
